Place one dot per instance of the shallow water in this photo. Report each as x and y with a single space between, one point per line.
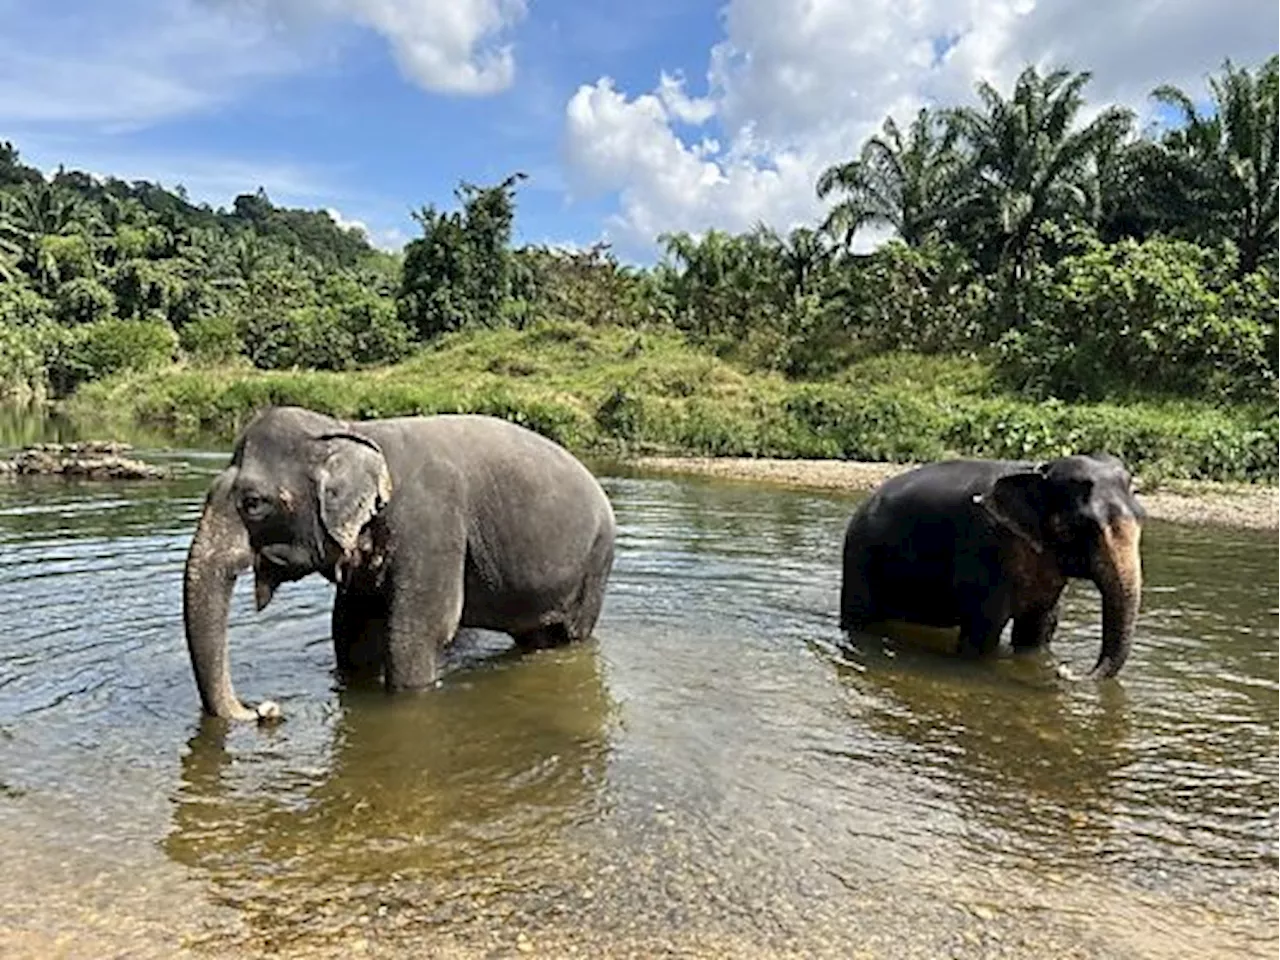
716 774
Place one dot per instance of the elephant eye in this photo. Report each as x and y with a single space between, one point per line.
254 506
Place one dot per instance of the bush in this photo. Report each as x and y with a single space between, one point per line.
70 256
22 361
376 332
301 337
210 341
20 306
929 299
594 392
1160 317
366 330
583 286
84 301
99 349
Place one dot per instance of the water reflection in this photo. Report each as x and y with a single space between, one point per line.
25 424
445 797
1032 763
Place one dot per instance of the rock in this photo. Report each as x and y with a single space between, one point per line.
91 460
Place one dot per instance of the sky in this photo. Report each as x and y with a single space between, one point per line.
630 118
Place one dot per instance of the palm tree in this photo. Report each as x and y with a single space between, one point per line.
11 247
908 183
1030 163
40 209
1228 158
803 254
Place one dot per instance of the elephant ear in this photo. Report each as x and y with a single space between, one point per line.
1017 503
352 485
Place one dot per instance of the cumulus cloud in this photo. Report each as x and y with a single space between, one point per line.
793 87
136 62
345 223
450 46
628 146
446 46
678 104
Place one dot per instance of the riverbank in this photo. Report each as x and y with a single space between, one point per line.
609 391
1251 506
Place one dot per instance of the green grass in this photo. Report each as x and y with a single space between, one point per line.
618 391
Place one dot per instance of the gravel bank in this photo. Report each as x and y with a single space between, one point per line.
1197 502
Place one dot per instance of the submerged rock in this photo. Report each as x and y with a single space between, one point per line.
90 460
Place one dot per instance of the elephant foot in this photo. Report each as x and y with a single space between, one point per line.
543 638
268 711
1064 672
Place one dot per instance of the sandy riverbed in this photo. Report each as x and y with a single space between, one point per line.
1233 505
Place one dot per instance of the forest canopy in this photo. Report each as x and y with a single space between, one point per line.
1079 256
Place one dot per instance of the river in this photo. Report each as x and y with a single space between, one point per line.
716 774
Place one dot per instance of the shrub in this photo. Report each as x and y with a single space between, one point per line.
84 301
302 337
142 288
21 306
22 361
929 299
1163 317
210 341
376 332
98 349
70 256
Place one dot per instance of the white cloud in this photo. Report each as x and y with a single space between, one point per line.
391 239
616 144
794 86
680 105
128 66
135 62
344 223
446 46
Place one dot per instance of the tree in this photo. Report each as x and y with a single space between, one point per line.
459 273
12 170
1029 163
908 183
33 217
804 254
1222 164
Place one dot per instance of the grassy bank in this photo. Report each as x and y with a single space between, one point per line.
609 390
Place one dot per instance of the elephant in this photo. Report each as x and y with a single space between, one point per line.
425 524
976 543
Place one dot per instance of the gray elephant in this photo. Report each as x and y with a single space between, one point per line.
425 524
977 543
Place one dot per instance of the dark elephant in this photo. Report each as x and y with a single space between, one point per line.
977 543
425 524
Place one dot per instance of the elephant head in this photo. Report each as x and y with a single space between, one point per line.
300 496
1080 514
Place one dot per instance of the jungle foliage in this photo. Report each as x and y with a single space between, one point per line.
1071 261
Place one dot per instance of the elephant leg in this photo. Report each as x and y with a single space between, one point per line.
586 613
424 616
856 606
980 635
359 632
1035 629
542 638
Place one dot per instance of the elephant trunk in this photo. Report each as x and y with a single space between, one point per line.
219 551
1117 570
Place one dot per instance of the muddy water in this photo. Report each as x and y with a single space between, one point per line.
717 774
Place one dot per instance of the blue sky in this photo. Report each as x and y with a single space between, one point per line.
630 118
